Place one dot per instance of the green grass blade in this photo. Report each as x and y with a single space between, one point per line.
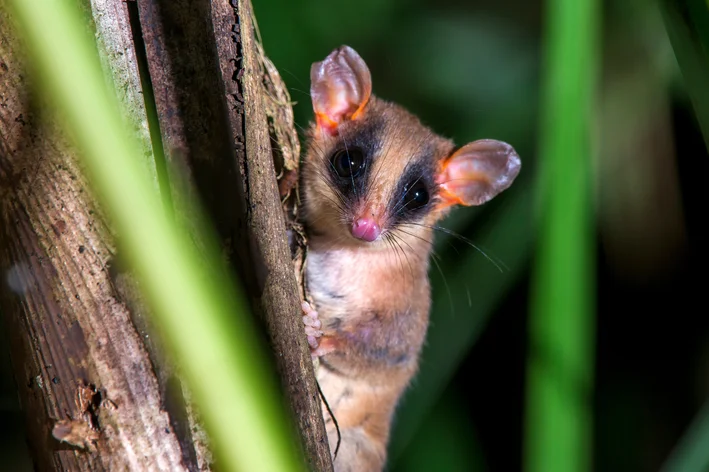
193 304
558 432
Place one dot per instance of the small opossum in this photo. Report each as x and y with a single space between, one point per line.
375 181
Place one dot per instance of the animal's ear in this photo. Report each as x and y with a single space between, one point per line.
340 87
477 172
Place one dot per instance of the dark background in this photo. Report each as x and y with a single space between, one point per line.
471 70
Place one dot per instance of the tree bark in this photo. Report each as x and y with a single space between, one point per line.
82 345
70 327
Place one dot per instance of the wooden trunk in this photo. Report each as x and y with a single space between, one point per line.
82 345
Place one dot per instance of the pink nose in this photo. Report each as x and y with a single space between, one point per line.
366 229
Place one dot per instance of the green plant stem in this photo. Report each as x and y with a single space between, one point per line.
562 326
203 321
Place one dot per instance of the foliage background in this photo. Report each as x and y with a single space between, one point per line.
472 70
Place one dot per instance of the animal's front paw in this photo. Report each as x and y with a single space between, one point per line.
312 325
319 345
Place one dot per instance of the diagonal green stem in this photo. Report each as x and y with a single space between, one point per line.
562 325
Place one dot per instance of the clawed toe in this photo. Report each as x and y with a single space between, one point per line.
312 325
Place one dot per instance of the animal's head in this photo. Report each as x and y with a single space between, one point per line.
372 169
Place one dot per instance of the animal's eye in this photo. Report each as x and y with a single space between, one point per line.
348 163
416 195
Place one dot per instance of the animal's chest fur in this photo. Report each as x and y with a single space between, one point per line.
347 283
376 309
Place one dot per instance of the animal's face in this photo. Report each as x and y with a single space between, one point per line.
374 176
373 172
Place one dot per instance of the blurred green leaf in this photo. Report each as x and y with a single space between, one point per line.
562 326
495 71
483 86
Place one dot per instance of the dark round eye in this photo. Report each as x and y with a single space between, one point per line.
416 195
348 163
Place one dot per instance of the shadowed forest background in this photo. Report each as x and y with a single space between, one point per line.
471 70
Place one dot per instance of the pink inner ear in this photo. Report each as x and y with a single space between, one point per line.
340 87
478 171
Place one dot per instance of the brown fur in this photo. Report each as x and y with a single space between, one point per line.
373 299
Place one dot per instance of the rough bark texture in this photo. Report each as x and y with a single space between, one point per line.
209 94
70 329
76 320
276 292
